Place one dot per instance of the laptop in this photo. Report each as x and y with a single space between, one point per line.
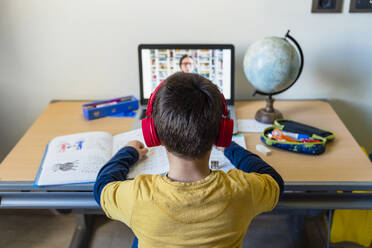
215 62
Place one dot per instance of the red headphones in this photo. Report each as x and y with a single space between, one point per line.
151 138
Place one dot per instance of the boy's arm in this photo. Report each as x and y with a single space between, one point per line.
115 170
249 162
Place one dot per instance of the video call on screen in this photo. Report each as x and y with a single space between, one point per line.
214 64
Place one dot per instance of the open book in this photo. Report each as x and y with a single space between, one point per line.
77 158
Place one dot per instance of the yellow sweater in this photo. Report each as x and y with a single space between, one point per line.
213 212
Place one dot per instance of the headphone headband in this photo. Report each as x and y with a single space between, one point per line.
152 99
225 111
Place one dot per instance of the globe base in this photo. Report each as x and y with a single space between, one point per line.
268 114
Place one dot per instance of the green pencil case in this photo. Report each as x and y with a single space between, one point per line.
314 144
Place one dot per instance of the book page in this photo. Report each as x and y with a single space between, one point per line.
155 161
251 126
120 140
218 161
75 158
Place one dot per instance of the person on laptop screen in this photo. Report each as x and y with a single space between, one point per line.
187 64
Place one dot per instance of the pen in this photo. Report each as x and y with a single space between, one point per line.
297 136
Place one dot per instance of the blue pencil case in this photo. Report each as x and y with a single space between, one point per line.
296 137
115 106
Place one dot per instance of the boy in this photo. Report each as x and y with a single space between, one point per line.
191 206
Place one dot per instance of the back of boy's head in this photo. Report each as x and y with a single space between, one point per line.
187 115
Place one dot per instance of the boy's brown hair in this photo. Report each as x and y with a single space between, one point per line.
187 115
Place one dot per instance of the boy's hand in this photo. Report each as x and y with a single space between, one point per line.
221 149
139 146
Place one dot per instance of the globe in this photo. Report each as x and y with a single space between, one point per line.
272 65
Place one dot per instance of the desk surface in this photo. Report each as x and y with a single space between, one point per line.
343 160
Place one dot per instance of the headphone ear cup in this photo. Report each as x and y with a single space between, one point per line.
226 132
149 132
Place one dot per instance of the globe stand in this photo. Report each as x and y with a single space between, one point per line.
268 114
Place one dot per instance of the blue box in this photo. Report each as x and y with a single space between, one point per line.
114 106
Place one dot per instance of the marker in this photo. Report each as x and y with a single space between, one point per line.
278 134
124 99
297 136
105 104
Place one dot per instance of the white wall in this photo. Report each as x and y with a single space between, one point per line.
80 49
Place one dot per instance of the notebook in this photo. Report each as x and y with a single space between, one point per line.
77 158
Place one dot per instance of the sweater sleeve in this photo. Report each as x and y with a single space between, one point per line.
116 169
249 162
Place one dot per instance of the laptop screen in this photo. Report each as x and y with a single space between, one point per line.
215 62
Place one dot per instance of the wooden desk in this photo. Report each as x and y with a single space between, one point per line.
342 166
59 118
343 161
